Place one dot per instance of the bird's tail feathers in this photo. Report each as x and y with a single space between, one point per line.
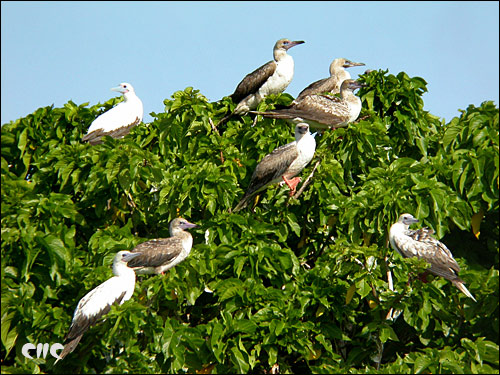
242 203
460 285
224 119
69 346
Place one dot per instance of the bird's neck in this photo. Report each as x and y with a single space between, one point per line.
121 269
348 96
342 75
279 54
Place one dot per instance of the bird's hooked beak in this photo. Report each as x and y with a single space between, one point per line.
129 257
293 43
350 64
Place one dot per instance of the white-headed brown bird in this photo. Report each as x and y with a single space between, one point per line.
160 254
99 300
118 121
282 164
271 78
332 84
322 112
420 243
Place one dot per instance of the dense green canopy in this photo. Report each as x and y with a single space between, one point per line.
297 284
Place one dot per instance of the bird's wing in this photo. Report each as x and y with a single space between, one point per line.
94 137
270 168
421 244
123 115
273 166
156 252
323 109
94 305
253 81
318 87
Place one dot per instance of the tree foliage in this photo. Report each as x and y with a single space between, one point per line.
299 285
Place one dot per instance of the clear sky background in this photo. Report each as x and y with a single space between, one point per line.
53 52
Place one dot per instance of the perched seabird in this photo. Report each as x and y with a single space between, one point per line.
99 300
282 164
118 121
419 243
323 111
332 84
271 78
161 254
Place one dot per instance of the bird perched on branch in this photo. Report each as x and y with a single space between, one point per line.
283 163
420 243
161 254
99 300
271 78
332 84
322 111
118 121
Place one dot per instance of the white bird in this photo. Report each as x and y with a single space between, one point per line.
419 243
323 111
99 300
118 121
332 84
161 254
282 163
271 78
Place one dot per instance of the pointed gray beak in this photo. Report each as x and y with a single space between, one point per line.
356 85
350 64
119 89
129 257
293 44
188 225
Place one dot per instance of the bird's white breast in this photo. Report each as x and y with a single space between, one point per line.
354 104
281 77
306 147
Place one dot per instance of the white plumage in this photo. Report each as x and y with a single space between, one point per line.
99 300
282 164
118 121
420 243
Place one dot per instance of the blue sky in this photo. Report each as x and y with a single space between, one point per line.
53 52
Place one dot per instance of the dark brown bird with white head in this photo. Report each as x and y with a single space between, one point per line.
271 78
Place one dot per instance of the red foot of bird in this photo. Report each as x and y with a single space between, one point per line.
292 184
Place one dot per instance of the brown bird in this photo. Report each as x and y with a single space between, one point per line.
282 163
331 84
323 111
161 254
420 243
271 78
